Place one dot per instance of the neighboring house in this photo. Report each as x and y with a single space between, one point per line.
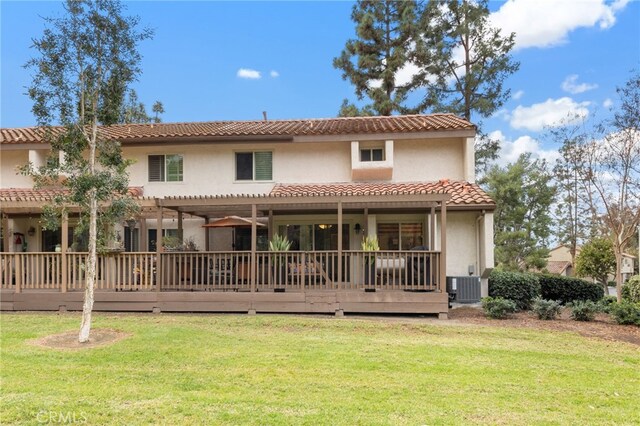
559 262
324 183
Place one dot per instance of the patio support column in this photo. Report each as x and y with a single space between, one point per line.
63 252
5 232
180 229
159 268
207 235
432 229
270 226
339 280
142 241
254 245
443 245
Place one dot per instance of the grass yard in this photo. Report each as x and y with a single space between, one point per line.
269 369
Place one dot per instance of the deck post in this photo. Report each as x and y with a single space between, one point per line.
18 272
5 231
254 244
432 229
337 283
443 246
207 236
142 241
270 226
63 252
159 268
180 228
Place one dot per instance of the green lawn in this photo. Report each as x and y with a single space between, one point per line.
236 369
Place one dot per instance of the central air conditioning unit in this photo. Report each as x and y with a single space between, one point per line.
464 289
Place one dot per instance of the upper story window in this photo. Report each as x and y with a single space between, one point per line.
256 165
165 168
372 154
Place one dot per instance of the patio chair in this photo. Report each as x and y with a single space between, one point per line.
221 271
419 269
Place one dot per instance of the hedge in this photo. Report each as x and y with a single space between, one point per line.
631 289
520 287
568 289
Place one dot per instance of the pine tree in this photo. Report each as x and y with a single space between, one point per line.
87 59
463 63
384 32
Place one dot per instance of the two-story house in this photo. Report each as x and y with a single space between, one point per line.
325 184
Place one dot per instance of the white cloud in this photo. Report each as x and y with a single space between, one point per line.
274 74
548 113
548 23
248 73
519 94
608 103
511 150
570 84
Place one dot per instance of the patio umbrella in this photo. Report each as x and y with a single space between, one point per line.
232 222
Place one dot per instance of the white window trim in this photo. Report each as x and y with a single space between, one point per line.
253 180
165 181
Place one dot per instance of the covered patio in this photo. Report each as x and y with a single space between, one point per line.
340 279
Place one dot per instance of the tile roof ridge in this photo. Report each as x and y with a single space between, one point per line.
271 120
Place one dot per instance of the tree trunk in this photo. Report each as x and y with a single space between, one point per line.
87 307
619 275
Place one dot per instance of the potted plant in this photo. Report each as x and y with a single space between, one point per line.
279 244
370 244
171 243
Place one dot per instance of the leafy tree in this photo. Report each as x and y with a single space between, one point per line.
86 60
463 62
610 168
523 192
384 32
596 260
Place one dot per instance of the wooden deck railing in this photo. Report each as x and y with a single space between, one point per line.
224 271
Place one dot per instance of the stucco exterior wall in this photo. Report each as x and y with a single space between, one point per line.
428 160
9 176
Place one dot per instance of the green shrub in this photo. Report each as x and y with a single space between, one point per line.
546 309
568 289
626 313
519 287
604 304
583 310
631 289
497 307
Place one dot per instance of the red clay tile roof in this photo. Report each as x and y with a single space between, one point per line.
261 128
30 194
462 193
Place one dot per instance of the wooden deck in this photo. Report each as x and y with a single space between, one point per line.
295 282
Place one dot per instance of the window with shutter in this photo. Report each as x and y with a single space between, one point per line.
156 168
254 166
165 168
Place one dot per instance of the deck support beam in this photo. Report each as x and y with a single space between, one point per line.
338 282
159 267
254 245
443 247
63 252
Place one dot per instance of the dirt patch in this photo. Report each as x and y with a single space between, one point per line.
603 327
69 340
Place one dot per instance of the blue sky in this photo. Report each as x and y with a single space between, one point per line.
573 54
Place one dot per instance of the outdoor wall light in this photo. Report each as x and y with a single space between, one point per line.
357 228
31 232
